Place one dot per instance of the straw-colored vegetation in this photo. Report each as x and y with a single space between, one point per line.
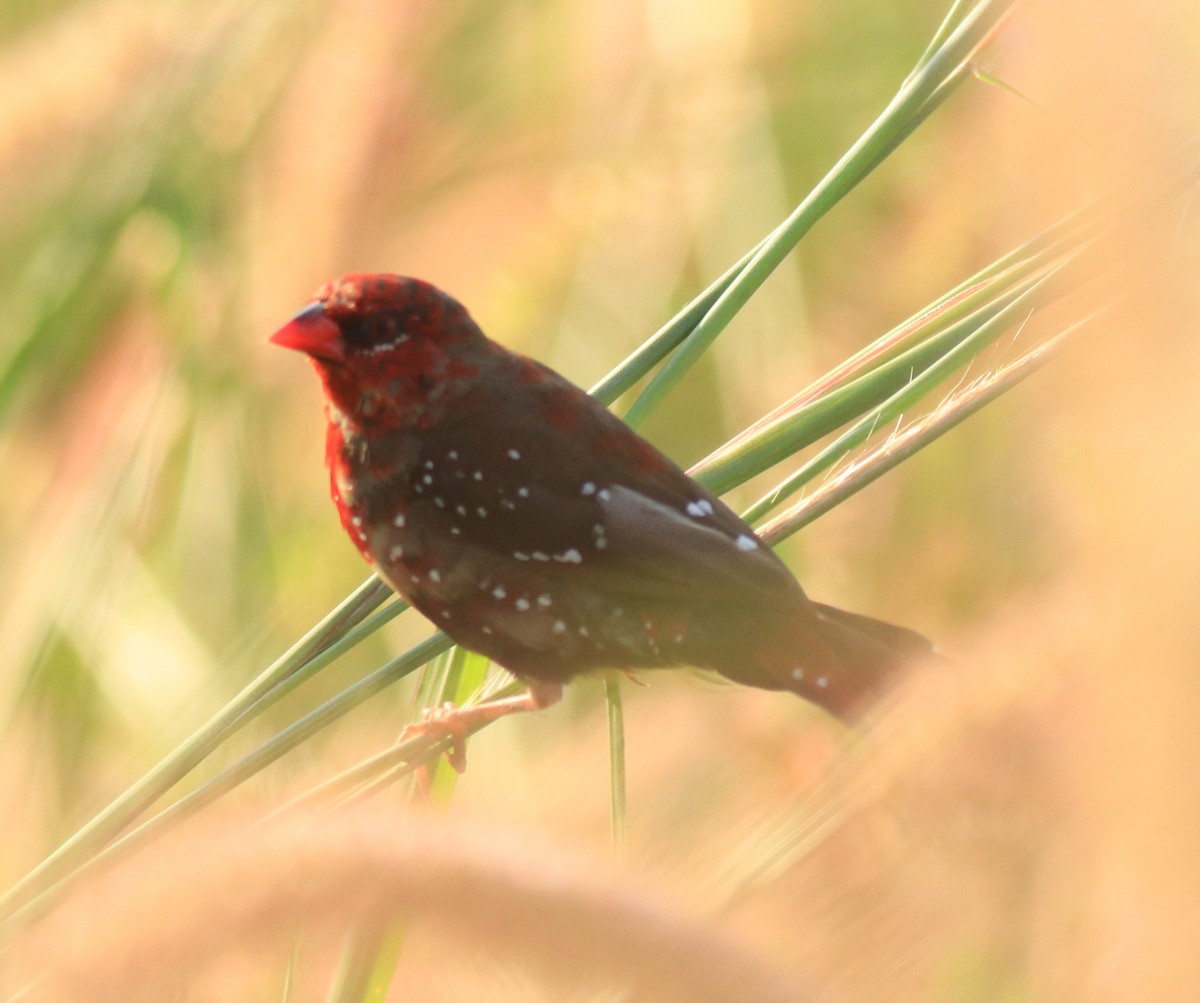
1019 823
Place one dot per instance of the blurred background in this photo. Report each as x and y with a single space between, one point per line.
180 176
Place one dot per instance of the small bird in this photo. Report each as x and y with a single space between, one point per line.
533 526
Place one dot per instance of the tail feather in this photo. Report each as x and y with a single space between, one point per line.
899 639
841 661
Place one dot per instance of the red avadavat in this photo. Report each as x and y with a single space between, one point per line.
533 526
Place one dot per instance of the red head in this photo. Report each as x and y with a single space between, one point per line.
385 346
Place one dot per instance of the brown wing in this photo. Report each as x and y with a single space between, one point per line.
562 483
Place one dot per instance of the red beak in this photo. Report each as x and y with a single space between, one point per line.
313 333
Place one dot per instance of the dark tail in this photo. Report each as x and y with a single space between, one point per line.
841 661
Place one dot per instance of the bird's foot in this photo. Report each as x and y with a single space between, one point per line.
458 723
442 722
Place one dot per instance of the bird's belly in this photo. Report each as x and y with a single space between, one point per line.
526 624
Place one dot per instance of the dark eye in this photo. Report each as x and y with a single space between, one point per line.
371 332
384 329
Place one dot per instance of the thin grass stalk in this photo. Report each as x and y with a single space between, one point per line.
356 967
895 406
667 338
468 671
387 958
958 406
371 954
781 842
879 138
792 432
124 809
1069 233
355 635
616 762
876 372
943 32
373 774
33 903
290 968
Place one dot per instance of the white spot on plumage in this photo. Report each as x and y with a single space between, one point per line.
445 614
486 629
356 520
455 531
452 455
399 520
822 681
396 553
571 556
482 512
745 542
560 627
387 346
699 508
797 673
537 555
604 494
506 504
498 592
583 632
428 479
601 543
522 492
439 501
588 489
513 454
522 604
429 464
544 600
478 475
435 575
519 556
460 509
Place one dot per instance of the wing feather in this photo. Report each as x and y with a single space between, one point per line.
595 505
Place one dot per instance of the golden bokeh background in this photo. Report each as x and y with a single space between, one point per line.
180 176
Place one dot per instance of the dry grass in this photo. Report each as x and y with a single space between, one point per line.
1020 824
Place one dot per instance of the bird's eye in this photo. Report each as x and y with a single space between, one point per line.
373 333
388 332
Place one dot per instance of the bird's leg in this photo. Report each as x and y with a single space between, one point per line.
457 723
